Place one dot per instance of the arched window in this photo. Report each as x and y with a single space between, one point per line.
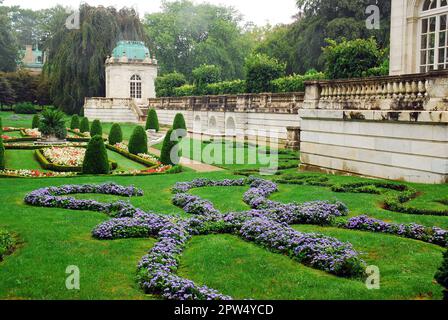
230 126
433 38
136 87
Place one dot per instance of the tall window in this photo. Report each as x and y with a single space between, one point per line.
433 39
136 87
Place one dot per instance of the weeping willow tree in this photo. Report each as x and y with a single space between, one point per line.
75 67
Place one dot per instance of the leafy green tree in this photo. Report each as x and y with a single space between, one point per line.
7 94
74 123
442 275
179 122
53 123
204 75
2 154
96 129
75 66
169 143
115 134
260 71
166 84
9 53
36 122
24 85
186 35
96 160
152 122
139 141
84 126
351 59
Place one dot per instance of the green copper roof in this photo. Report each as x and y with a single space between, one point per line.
134 50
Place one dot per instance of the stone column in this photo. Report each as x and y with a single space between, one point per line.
293 140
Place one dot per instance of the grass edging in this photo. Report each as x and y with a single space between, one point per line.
47 165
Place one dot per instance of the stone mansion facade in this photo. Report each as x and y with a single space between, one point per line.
393 127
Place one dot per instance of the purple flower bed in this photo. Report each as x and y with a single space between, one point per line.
320 252
52 197
414 231
157 269
266 225
184 187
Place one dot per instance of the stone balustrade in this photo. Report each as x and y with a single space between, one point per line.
264 102
408 92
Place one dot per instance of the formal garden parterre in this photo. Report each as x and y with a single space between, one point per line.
326 228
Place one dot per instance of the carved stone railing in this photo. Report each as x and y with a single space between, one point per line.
408 92
263 102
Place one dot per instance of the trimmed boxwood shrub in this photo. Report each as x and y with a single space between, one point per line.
25 108
115 134
2 155
152 122
1 126
74 124
168 145
84 126
442 275
139 141
96 129
96 160
179 122
36 122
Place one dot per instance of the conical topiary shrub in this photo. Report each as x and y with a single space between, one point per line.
84 126
139 141
96 129
168 146
74 124
36 122
442 275
152 123
179 122
115 134
96 160
2 155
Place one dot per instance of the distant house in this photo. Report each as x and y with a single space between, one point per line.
33 59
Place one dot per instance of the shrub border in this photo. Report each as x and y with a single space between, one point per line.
133 157
47 165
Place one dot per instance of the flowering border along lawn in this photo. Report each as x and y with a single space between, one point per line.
267 225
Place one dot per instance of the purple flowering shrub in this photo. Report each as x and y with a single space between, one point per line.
433 235
317 251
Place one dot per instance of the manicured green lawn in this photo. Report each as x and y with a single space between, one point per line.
52 239
22 159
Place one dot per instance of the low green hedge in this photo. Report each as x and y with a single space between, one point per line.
132 157
47 165
7 243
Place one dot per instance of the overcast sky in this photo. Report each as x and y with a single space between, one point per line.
257 11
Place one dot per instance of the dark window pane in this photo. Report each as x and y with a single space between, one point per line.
423 57
442 38
432 24
443 3
431 57
424 42
425 26
441 55
443 22
432 40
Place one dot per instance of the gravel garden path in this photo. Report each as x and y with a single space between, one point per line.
192 164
